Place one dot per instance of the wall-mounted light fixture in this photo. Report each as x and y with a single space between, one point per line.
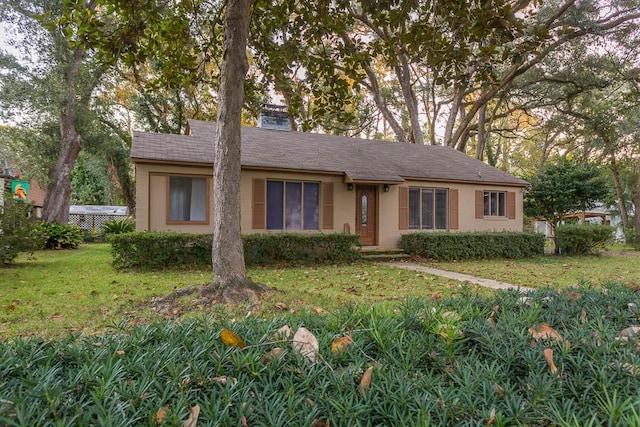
385 188
350 186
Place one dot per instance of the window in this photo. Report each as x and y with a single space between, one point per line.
293 205
495 203
428 208
188 199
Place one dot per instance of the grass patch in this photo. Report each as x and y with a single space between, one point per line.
56 292
555 271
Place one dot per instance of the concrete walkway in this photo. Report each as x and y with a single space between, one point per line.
488 283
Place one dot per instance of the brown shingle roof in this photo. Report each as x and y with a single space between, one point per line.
358 159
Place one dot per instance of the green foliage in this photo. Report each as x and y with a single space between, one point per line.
469 246
434 363
164 250
16 230
59 236
564 187
580 239
118 226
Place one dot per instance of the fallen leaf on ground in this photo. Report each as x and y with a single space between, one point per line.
365 381
281 306
492 417
120 352
224 380
161 414
305 343
341 344
193 417
548 356
230 339
544 332
273 354
285 331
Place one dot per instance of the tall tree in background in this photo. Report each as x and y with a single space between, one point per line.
72 76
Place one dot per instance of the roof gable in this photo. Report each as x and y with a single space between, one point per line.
358 159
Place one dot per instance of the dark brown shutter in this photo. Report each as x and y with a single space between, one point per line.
403 205
479 204
327 205
453 209
511 205
258 197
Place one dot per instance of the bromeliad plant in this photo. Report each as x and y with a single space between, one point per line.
569 357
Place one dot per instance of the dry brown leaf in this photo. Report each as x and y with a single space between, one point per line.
285 331
492 417
544 332
273 354
318 310
281 306
161 415
120 352
224 380
244 422
230 339
340 345
498 390
305 343
548 356
632 369
365 381
193 417
318 423
630 333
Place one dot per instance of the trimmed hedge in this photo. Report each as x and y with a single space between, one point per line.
470 246
160 250
581 239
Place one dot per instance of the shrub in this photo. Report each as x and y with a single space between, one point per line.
118 226
60 236
580 239
469 246
16 230
160 250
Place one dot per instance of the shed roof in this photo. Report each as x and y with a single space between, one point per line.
360 160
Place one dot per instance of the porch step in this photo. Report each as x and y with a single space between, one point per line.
381 254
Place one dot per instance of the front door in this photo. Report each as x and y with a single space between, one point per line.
366 213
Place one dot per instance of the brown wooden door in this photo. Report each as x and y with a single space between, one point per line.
366 220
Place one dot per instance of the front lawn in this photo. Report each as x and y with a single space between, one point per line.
555 271
56 292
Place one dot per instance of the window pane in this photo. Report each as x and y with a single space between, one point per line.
501 204
179 198
364 210
274 205
427 209
198 206
487 203
494 203
311 206
441 209
293 206
414 208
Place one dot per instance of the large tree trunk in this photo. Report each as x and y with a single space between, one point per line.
56 201
636 204
229 274
615 172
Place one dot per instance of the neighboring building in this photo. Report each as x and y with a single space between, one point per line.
301 182
35 194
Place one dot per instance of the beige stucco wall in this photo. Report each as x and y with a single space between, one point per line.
151 195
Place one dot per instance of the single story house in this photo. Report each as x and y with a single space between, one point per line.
303 182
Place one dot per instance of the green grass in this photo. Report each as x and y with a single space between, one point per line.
555 271
55 292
